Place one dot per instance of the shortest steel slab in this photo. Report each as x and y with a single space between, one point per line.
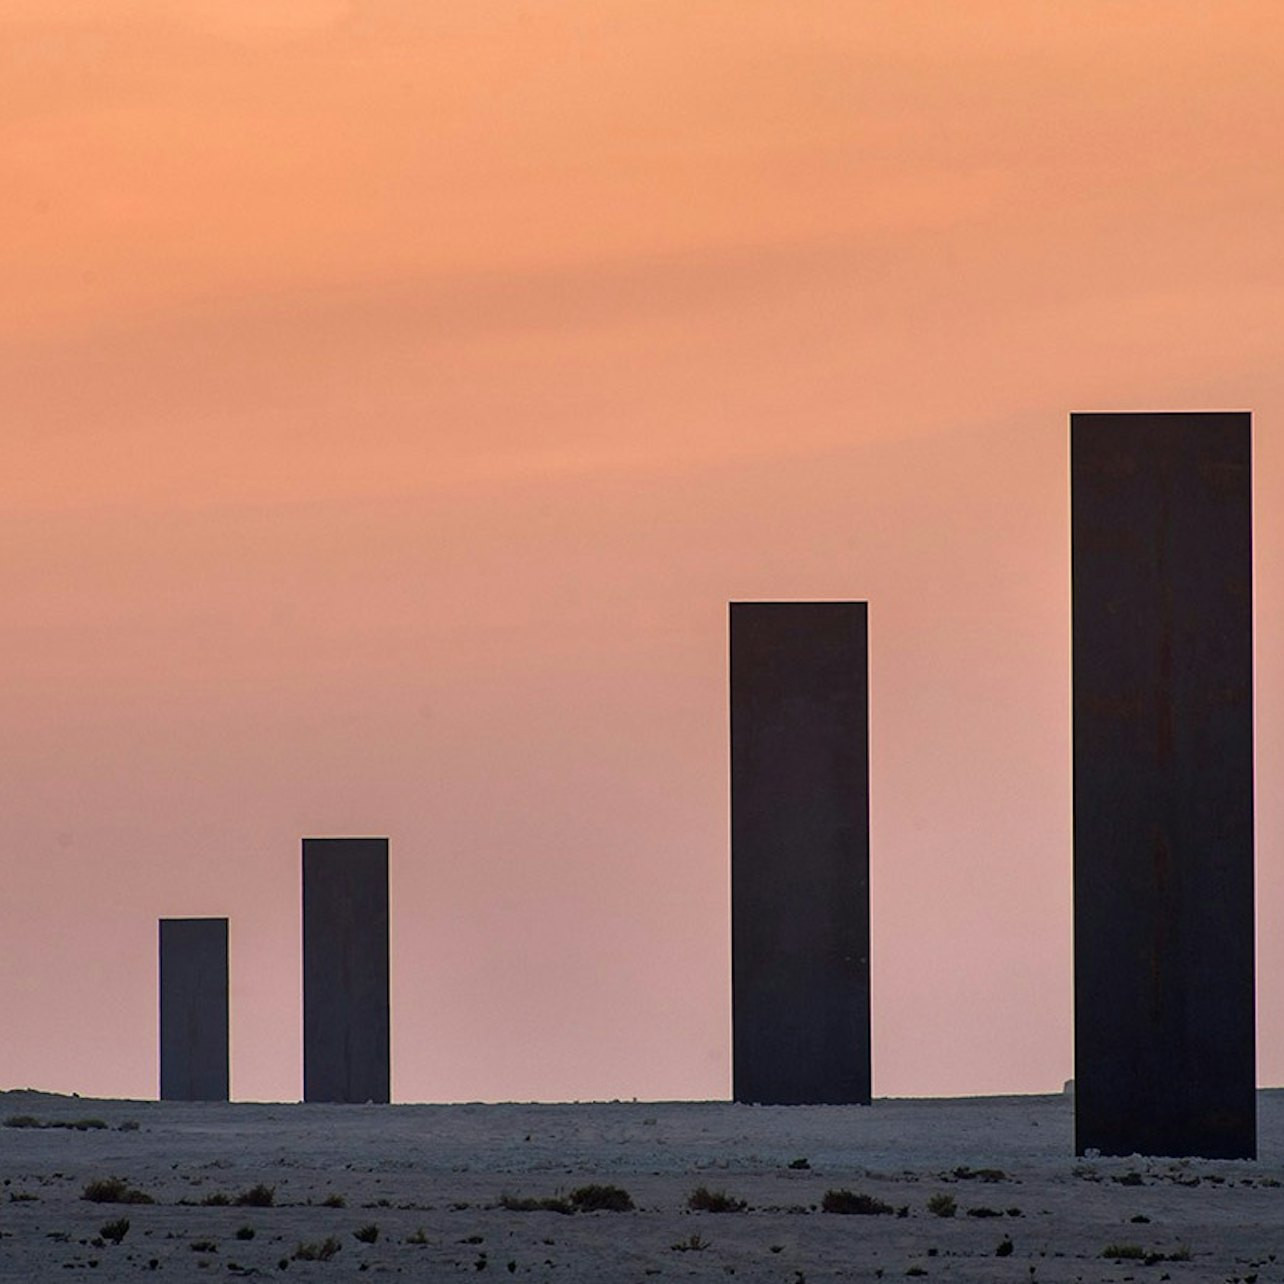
193 1009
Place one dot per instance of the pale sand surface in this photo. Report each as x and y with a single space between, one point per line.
436 1172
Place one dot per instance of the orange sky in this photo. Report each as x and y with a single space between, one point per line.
392 395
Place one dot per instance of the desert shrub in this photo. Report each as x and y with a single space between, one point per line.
692 1244
367 1234
114 1190
245 1232
799 1164
321 1252
418 1237
1124 1252
984 1211
915 1271
75 1125
216 1199
203 1246
334 1201
526 1204
115 1231
847 1201
594 1199
980 1174
704 1200
22 1197
1005 1247
943 1204
1134 1252
259 1196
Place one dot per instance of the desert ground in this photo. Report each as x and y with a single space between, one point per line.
436 1192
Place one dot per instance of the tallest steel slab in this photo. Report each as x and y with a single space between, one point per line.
1161 534
346 1019
800 852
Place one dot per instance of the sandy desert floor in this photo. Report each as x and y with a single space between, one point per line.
427 1188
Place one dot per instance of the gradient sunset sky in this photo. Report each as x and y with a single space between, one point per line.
394 392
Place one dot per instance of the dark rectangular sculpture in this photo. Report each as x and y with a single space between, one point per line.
1161 534
193 1009
800 852
345 970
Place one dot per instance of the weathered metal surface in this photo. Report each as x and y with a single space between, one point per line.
800 852
346 1052
1161 532
193 1009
